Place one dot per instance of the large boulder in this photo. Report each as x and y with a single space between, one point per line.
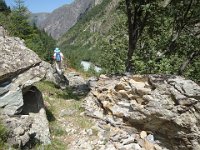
20 67
54 76
167 106
31 125
16 58
77 83
21 104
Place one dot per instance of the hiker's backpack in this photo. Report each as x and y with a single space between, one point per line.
58 57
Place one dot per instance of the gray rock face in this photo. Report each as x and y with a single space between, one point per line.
21 104
37 18
32 124
54 76
19 68
62 19
78 83
15 57
12 102
167 106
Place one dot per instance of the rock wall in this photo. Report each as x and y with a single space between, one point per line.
21 104
19 69
31 125
167 107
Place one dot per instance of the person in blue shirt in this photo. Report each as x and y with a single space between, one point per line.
58 57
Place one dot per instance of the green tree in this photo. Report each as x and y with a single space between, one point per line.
19 24
3 7
114 47
163 37
137 16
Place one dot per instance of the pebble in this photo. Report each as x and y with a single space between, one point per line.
128 141
150 138
89 132
19 131
82 114
137 147
143 134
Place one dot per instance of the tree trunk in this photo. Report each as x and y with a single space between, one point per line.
135 27
187 62
130 33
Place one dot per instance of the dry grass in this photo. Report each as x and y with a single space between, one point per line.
58 101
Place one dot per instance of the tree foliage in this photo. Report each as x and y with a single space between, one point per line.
114 46
146 36
17 23
163 37
3 7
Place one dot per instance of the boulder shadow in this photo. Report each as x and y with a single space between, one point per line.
33 102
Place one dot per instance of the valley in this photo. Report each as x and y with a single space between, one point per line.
128 80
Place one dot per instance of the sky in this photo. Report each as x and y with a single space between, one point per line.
36 6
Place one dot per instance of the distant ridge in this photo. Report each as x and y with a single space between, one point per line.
63 18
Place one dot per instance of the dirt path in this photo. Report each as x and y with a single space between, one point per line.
66 117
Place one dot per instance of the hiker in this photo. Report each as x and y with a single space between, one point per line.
58 57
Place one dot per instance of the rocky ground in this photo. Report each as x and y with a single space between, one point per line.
126 113
146 112
68 124
121 113
72 128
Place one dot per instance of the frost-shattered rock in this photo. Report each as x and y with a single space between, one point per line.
166 108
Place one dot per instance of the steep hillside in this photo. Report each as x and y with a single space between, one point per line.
83 41
37 18
62 19
17 23
163 43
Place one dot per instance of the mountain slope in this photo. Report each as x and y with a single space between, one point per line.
37 18
101 36
83 41
62 19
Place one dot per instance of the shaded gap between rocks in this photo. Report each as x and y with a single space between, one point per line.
33 101
164 131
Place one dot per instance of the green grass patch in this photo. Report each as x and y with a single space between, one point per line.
83 122
56 144
3 136
56 129
49 89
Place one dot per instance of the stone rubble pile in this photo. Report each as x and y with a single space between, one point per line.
103 136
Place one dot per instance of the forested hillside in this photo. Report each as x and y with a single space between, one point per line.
82 41
138 36
16 22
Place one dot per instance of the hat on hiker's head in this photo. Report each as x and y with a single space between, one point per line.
56 50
